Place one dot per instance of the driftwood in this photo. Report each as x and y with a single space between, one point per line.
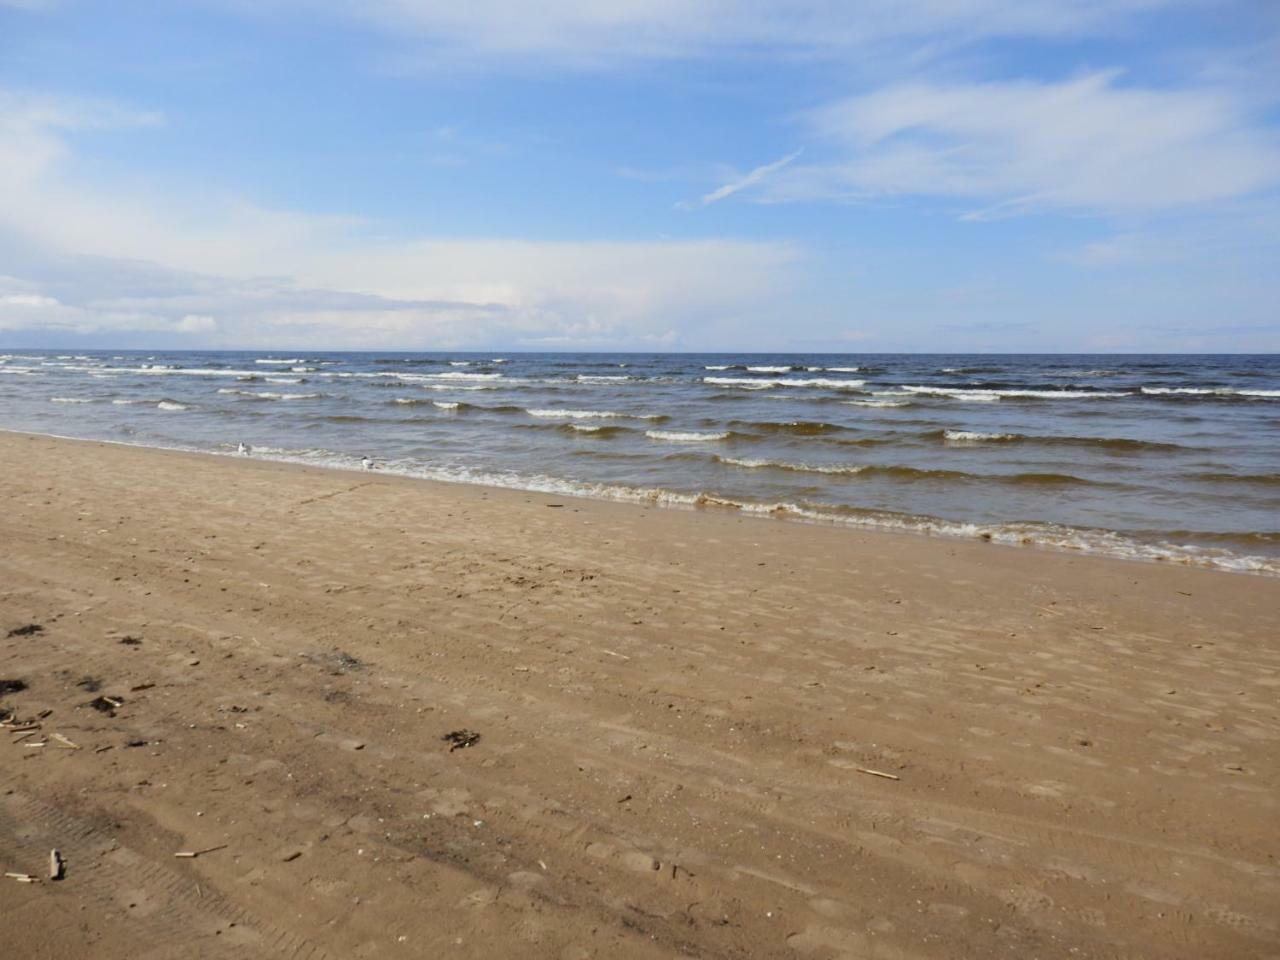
878 773
192 854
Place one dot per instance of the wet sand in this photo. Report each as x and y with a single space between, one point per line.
700 735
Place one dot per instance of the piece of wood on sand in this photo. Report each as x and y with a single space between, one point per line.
878 773
192 854
57 865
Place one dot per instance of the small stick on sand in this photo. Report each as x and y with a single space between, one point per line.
22 877
878 773
191 854
63 741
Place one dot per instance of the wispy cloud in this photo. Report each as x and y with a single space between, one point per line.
606 34
1085 144
738 184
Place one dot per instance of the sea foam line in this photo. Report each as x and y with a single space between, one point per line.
1052 536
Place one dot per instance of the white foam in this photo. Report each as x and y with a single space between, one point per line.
459 363
718 366
445 404
156 370
877 403
285 362
281 379
268 395
453 375
786 369
586 427
600 378
588 415
684 436
750 383
973 436
170 405
69 400
1209 391
756 464
987 396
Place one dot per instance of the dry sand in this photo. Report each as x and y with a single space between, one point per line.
678 716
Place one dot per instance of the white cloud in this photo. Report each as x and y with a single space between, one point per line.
750 179
199 263
1086 144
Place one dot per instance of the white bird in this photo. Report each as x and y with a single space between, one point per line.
366 463
244 449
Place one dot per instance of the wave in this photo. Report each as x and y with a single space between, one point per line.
285 362
991 395
1263 479
1209 392
907 473
592 415
593 429
447 404
69 400
878 402
162 370
268 395
454 375
1104 443
602 378
753 384
171 405
761 464
685 436
787 368
972 436
799 428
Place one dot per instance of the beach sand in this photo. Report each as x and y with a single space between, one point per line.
683 719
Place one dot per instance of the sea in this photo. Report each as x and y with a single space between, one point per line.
1171 458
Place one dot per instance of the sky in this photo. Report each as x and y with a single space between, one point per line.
671 175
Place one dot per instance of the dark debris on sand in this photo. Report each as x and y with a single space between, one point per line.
25 631
335 661
131 641
106 704
461 739
12 686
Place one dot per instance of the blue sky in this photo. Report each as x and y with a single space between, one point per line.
866 175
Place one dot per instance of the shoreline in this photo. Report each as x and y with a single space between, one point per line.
1073 541
697 736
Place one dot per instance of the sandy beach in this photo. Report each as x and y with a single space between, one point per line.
699 734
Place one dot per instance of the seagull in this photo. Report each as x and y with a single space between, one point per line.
244 449
366 463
